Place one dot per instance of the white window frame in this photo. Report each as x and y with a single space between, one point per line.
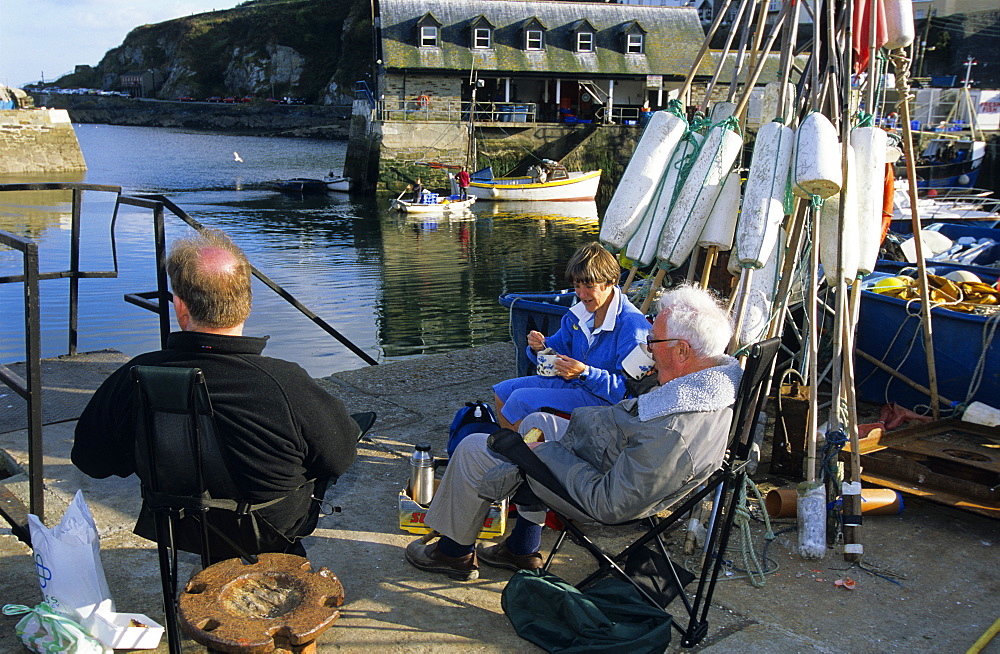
482 38
585 42
633 44
533 37
428 36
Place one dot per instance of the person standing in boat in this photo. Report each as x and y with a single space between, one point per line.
594 338
463 183
418 190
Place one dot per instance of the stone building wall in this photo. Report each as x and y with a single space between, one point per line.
411 87
38 141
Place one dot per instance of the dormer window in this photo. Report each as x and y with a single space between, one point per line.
428 31
533 33
583 35
480 34
428 36
483 38
633 38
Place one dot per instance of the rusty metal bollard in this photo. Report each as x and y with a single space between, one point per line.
277 605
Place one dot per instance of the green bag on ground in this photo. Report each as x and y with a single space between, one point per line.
610 614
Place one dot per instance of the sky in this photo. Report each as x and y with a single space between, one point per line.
50 37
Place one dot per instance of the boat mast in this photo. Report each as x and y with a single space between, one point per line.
470 153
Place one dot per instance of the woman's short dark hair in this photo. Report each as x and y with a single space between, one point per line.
592 264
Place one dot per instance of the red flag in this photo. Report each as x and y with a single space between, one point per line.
861 27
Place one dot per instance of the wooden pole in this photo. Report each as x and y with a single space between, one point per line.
653 287
901 66
710 256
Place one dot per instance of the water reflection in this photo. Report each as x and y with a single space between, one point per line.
579 211
396 286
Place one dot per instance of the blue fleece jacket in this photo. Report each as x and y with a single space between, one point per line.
605 355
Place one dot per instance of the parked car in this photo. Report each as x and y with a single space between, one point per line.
229 100
185 98
247 98
273 100
214 98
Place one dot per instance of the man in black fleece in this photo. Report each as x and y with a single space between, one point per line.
281 434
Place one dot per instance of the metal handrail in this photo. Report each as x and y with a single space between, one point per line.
157 203
30 390
430 109
11 509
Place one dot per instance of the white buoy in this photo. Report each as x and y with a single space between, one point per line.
870 145
721 111
899 24
769 107
721 226
642 246
638 185
764 197
759 298
982 414
698 195
830 228
817 158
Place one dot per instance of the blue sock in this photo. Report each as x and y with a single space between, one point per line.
448 547
525 538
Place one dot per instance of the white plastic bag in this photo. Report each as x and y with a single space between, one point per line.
43 630
68 561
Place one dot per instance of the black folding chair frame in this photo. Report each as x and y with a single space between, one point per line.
751 397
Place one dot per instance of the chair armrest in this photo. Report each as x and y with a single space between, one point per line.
511 445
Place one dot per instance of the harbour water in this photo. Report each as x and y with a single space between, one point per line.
395 286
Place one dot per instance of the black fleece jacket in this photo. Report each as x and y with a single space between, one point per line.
278 427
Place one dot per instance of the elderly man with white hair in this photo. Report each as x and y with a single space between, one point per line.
618 463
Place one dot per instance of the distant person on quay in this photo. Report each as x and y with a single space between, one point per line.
594 338
283 435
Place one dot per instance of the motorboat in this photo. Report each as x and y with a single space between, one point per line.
947 204
431 203
299 185
947 162
550 181
337 183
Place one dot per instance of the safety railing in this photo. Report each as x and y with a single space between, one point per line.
430 109
30 389
158 301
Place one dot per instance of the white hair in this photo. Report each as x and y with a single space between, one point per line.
698 317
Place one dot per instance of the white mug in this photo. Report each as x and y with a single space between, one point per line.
547 363
638 363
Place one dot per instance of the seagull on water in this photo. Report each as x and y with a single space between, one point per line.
237 158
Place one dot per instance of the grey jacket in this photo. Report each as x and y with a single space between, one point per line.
638 457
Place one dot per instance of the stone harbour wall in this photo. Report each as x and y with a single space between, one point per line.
38 141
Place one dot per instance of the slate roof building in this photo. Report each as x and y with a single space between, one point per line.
531 61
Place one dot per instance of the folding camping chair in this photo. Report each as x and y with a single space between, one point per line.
176 443
651 571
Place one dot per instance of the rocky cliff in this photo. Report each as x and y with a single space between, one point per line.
314 49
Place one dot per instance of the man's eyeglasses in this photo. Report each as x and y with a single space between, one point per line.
650 340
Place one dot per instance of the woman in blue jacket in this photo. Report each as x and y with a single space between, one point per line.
593 339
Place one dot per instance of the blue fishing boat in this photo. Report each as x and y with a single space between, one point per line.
966 345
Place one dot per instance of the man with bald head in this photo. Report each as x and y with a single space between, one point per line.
282 435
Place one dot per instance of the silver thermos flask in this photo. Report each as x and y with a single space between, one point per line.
422 474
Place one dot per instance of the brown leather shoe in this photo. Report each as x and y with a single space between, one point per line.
426 557
499 556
